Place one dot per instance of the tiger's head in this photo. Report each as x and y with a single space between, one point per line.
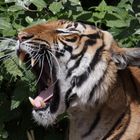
76 66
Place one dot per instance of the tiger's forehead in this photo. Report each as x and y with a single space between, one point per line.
49 26
52 26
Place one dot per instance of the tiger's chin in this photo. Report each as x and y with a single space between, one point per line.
44 117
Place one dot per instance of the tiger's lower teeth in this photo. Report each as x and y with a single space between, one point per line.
31 101
42 104
32 62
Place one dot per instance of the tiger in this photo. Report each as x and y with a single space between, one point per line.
82 70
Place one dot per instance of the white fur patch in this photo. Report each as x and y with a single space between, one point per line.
44 118
108 39
85 62
84 91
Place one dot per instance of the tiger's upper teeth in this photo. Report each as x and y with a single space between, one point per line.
21 58
32 62
31 101
20 62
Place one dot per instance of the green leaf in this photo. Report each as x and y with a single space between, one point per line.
1 77
6 45
85 16
12 68
17 26
40 4
117 23
3 9
4 23
29 19
55 7
123 3
77 2
137 32
9 32
9 1
103 7
22 91
99 15
14 8
5 135
14 104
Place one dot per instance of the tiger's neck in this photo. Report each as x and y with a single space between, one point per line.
95 123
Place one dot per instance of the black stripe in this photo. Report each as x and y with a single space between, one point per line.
74 56
96 57
61 31
93 125
82 78
66 46
97 86
136 93
77 62
74 67
92 36
90 42
73 39
67 96
42 41
68 99
94 89
87 43
92 67
84 26
54 104
120 119
69 25
59 54
75 24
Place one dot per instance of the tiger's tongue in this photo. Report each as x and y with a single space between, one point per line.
44 96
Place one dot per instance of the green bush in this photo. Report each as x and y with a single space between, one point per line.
18 83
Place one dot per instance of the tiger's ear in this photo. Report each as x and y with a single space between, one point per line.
124 57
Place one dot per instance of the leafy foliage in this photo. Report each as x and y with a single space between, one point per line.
17 83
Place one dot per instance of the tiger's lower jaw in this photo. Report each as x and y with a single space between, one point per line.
44 117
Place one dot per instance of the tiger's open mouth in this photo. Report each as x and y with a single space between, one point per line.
44 80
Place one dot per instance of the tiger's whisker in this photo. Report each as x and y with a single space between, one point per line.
54 50
50 66
37 59
10 39
55 60
6 56
41 71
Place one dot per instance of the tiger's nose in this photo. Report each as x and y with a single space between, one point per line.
24 36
